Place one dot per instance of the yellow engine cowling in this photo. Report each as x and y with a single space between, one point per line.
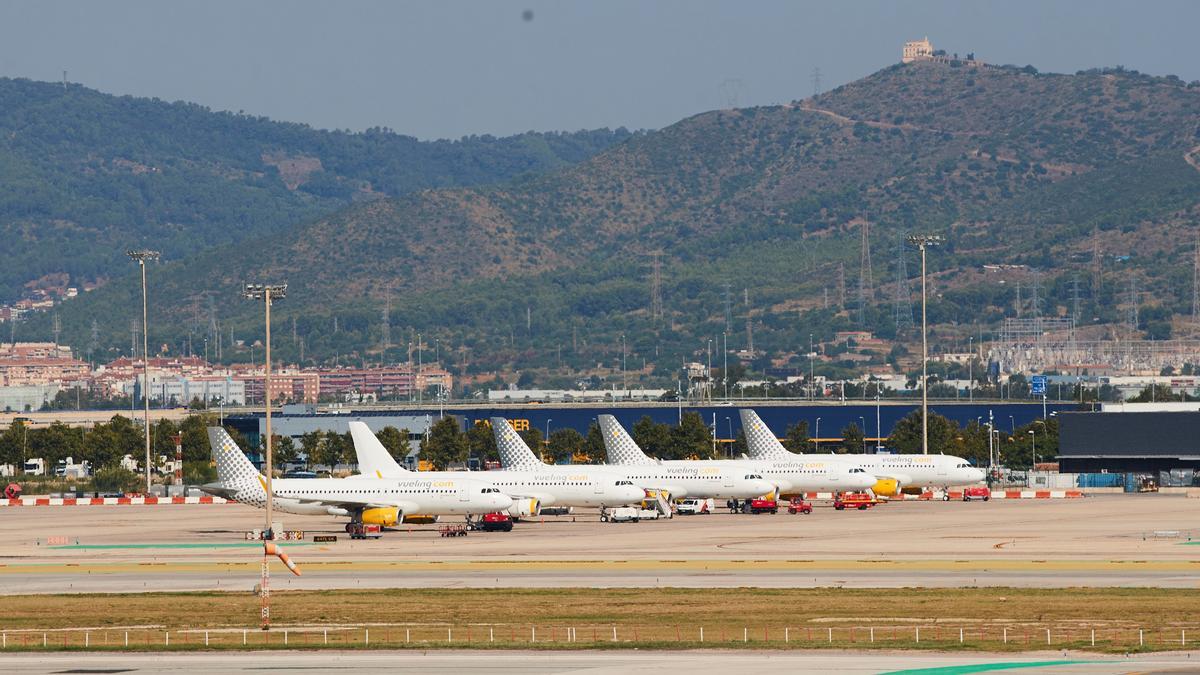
886 487
419 519
386 517
524 508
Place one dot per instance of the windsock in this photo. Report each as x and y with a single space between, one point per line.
271 549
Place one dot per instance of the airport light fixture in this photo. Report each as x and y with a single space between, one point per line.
924 241
1033 446
267 293
141 256
817 437
863 419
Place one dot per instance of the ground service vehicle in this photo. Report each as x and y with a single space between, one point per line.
622 514
977 492
854 500
361 531
493 522
799 506
694 507
761 506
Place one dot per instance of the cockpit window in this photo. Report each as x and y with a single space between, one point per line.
857 470
624 482
753 476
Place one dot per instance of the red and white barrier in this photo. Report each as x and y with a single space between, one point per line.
957 494
111 501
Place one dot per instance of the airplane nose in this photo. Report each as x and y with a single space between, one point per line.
501 502
762 487
866 480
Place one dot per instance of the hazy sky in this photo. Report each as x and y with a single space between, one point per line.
445 69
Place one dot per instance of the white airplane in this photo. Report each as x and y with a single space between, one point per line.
717 482
786 475
371 501
894 471
530 490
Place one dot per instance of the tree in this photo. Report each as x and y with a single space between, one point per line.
692 439
312 444
482 443
195 437
446 444
906 435
107 443
395 441
284 450
593 445
739 446
12 442
654 439
55 443
339 449
796 438
852 440
564 443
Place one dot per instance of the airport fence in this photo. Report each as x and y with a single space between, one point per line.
990 636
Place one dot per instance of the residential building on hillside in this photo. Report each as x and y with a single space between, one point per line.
916 49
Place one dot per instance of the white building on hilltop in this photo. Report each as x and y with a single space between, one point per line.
917 49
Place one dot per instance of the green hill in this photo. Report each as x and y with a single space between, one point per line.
86 175
1013 166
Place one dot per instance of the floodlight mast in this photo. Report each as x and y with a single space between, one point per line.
267 293
924 241
141 256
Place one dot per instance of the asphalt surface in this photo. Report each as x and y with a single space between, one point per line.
1134 540
597 663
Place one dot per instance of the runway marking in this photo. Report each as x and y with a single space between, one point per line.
694 566
239 544
984 667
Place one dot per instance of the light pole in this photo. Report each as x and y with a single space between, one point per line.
725 362
548 421
141 257
624 381
864 432
971 369
811 383
924 241
878 428
817 437
1033 447
729 426
267 293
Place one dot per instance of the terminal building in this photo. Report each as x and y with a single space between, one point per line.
1135 438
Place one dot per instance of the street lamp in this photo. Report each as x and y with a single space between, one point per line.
864 432
811 355
1033 446
729 426
878 428
924 241
548 421
141 256
624 382
267 293
971 368
817 437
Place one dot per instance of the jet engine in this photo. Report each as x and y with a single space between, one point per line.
385 516
886 487
419 519
525 507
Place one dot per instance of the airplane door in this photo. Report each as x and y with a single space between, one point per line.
462 494
941 466
599 489
728 479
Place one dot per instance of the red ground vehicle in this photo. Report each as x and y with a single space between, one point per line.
761 506
361 531
453 530
977 492
493 522
799 506
854 500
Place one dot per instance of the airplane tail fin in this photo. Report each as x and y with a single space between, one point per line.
514 452
235 471
620 446
760 442
374 460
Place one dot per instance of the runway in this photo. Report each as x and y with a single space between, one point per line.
1135 540
600 663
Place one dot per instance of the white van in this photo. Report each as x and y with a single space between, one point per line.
694 507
